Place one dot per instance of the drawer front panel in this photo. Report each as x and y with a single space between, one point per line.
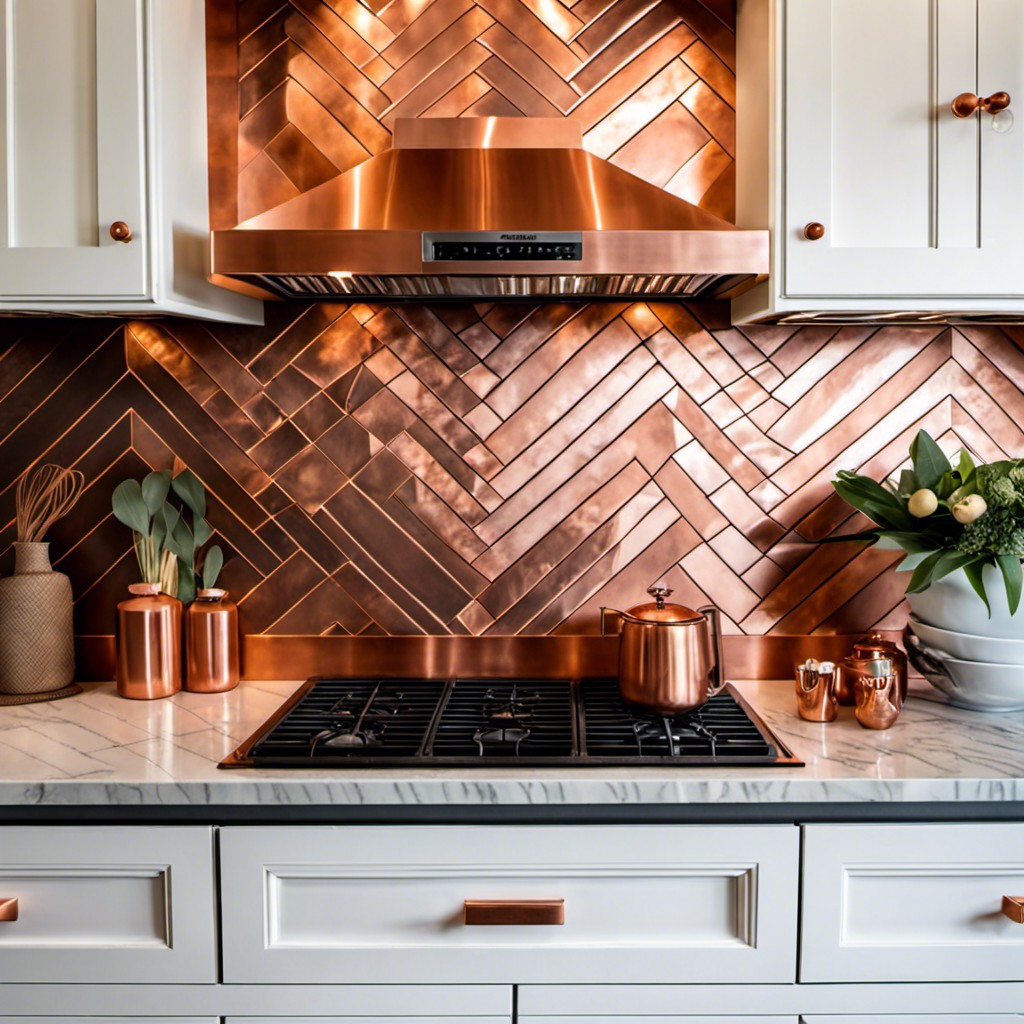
672 903
911 903
107 904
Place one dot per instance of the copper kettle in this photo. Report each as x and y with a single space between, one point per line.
669 656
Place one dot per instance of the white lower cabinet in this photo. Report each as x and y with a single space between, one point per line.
388 904
911 903
590 1019
917 1018
126 905
109 1020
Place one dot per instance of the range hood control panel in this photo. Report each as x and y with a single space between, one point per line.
500 246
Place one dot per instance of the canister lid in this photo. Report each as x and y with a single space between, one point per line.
658 611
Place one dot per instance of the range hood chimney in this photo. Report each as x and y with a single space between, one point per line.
488 208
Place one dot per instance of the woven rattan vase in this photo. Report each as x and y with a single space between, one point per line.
37 644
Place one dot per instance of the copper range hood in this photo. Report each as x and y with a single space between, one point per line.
488 207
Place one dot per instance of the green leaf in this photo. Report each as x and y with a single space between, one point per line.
949 562
187 487
908 482
177 540
1013 577
876 503
965 467
130 507
922 576
946 486
929 461
186 583
202 531
212 565
154 490
913 543
974 573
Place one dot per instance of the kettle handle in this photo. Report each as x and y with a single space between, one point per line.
604 613
712 614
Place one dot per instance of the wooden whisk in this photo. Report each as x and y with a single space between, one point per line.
44 495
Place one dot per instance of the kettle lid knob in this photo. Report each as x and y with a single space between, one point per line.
659 593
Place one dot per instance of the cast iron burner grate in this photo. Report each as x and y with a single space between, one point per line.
352 723
352 718
526 719
720 732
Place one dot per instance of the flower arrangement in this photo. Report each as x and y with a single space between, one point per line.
947 517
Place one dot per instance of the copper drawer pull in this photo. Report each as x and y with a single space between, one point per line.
968 103
514 912
120 232
1013 908
814 231
8 908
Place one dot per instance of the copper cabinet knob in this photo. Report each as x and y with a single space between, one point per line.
120 232
1013 908
513 912
814 231
8 908
967 103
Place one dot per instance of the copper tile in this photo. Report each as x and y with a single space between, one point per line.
533 68
419 461
304 164
310 478
459 98
290 390
382 476
341 347
277 448
317 416
325 606
423 30
349 445
646 104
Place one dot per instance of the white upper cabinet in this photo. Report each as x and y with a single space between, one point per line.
879 197
103 177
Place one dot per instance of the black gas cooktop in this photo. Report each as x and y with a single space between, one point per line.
361 723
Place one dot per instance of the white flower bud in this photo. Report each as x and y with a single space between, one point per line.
922 503
969 509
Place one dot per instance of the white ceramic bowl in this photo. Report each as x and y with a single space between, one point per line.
969 646
952 604
978 685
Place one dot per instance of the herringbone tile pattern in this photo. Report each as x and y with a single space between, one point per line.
500 469
321 81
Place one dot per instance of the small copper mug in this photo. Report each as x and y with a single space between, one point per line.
878 698
816 691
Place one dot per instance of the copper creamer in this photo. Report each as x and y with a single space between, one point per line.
211 643
148 644
669 656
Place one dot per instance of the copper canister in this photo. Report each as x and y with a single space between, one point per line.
867 650
148 644
211 643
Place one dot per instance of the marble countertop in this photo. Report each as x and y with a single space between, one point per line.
99 750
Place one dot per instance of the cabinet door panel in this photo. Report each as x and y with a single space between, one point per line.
915 202
911 903
130 905
72 148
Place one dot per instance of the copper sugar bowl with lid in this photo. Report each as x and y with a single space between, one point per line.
669 656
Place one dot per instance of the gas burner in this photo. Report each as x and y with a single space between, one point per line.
506 726
358 721
674 732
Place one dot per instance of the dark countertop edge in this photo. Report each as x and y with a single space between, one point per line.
565 814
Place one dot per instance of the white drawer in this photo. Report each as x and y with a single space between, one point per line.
109 1020
108 905
911 903
591 1019
917 1018
379 904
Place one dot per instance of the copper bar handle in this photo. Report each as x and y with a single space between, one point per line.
1013 908
513 912
8 908
120 232
968 103
814 231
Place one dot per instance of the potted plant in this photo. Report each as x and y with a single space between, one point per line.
149 622
962 527
211 621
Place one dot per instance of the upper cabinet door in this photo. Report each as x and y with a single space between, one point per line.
914 201
72 149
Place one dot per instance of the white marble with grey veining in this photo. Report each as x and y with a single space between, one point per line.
97 749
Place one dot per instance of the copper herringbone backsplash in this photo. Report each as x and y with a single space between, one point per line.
320 83
494 469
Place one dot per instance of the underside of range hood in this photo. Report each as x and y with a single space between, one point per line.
488 208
